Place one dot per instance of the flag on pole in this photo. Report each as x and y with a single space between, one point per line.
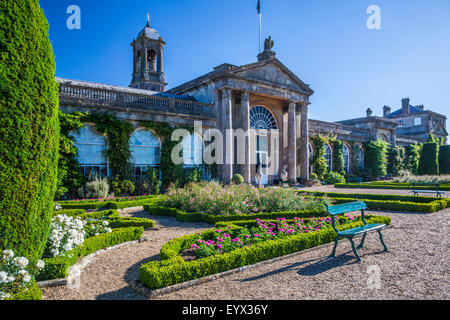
259 7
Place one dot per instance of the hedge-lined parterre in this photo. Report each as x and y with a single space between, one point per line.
93 205
391 185
172 269
57 268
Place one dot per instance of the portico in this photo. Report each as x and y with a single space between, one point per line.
269 102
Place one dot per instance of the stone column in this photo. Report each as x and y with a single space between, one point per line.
160 60
227 125
292 143
245 120
304 160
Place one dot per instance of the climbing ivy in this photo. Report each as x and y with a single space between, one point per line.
375 159
338 156
319 162
396 156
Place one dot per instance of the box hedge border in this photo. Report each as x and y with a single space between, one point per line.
108 204
57 268
392 186
172 269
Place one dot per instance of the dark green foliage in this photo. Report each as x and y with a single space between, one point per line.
122 187
412 157
70 212
29 131
69 172
444 160
338 157
153 178
173 270
56 268
375 159
31 293
118 134
334 177
428 163
396 157
319 163
237 179
139 201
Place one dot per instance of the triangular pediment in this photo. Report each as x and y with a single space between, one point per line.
273 73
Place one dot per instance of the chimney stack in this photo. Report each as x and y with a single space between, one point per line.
369 112
386 110
421 107
405 106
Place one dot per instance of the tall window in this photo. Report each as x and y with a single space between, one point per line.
328 156
193 147
311 155
346 154
91 146
360 157
145 151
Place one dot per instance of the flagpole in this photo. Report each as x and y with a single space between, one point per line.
259 13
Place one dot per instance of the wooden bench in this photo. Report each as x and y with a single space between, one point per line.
350 234
354 179
437 191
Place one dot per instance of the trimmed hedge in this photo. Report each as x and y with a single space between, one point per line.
70 212
391 185
183 216
108 204
429 159
56 268
29 130
444 160
31 293
173 269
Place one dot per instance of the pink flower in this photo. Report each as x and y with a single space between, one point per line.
219 246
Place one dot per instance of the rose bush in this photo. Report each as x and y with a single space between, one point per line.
16 273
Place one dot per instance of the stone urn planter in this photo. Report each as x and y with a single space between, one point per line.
284 178
258 176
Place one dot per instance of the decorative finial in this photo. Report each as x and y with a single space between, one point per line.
268 44
148 19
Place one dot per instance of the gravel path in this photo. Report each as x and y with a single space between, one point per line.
108 276
417 266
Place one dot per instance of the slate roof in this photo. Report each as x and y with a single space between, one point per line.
176 96
399 112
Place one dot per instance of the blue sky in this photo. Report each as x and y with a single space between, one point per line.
325 42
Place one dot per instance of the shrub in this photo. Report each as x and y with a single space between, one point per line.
173 270
334 177
98 188
375 162
56 268
122 187
237 179
412 157
396 157
338 157
155 183
29 131
314 176
444 160
319 162
428 163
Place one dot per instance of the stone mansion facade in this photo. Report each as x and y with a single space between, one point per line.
263 97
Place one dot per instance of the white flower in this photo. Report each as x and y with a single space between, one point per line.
8 254
27 278
105 223
40 264
3 277
21 262
4 296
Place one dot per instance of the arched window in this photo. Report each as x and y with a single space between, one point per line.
360 157
346 154
262 119
328 156
145 150
91 146
151 60
193 147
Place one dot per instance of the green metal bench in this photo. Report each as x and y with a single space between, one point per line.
437 191
354 179
350 234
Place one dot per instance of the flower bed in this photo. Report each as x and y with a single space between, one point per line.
172 269
216 200
56 268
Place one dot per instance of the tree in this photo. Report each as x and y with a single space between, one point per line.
375 159
396 157
319 162
429 159
412 156
29 131
338 157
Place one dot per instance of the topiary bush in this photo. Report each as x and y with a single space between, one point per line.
428 163
334 177
412 157
29 130
375 159
444 160
237 179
